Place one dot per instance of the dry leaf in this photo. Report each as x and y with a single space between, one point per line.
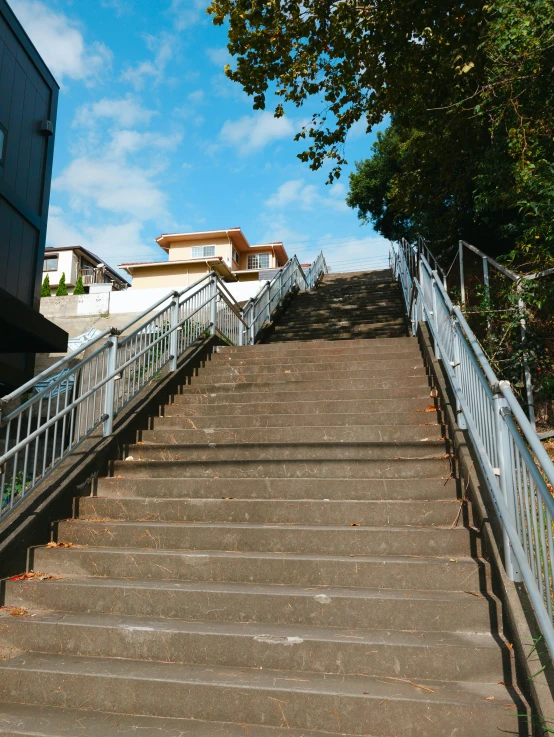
354 524
59 545
489 698
33 575
433 393
129 458
430 408
415 685
17 611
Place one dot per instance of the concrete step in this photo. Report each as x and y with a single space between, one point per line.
23 720
330 319
286 603
270 488
385 328
309 358
308 391
301 700
271 511
295 434
285 419
303 648
294 468
274 538
299 406
267 451
310 346
382 377
380 572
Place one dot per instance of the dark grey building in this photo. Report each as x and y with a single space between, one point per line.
28 106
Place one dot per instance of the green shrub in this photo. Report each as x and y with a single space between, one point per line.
61 291
79 288
45 289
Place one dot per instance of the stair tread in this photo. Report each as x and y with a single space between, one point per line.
48 721
268 632
462 693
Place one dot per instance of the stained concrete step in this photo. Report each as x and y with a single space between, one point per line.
273 538
299 406
271 511
316 352
23 720
301 700
400 572
346 331
413 369
315 346
472 656
331 318
324 419
267 451
308 391
269 488
262 469
295 434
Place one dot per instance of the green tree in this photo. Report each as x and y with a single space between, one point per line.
45 289
79 288
61 291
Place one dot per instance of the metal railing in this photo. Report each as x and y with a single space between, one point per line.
67 402
257 312
517 469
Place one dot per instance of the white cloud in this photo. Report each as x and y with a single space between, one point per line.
187 13
253 132
114 186
296 194
151 70
125 142
60 42
114 243
219 56
119 6
196 96
124 112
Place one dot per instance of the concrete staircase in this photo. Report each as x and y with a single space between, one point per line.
346 307
284 553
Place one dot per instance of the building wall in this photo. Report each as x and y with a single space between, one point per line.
183 251
245 254
181 275
67 264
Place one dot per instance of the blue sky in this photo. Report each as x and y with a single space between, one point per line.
152 137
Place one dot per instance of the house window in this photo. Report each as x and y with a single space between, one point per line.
236 258
50 263
2 144
259 261
203 251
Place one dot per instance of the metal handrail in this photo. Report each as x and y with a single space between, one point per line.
83 394
515 466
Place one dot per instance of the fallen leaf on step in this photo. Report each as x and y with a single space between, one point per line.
287 372
129 458
33 575
17 611
228 497
453 560
354 524
433 393
59 545
489 698
430 408
415 685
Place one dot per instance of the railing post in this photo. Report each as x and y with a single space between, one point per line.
435 317
456 367
505 473
526 370
487 289
462 282
213 308
174 335
109 396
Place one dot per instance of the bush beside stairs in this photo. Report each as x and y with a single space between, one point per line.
284 553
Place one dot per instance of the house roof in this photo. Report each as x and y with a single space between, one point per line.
235 235
215 262
92 256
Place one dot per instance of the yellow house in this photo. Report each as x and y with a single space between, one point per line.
190 255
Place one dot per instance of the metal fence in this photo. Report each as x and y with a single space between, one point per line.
65 404
517 469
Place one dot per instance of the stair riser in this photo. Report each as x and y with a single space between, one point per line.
379 514
358 657
295 407
324 420
307 391
373 370
370 469
341 489
307 540
314 359
397 433
309 347
332 321
159 565
285 452
342 333
290 381
272 706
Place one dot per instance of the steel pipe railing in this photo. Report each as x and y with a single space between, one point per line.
517 469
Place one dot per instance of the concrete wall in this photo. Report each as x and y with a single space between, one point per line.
129 301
